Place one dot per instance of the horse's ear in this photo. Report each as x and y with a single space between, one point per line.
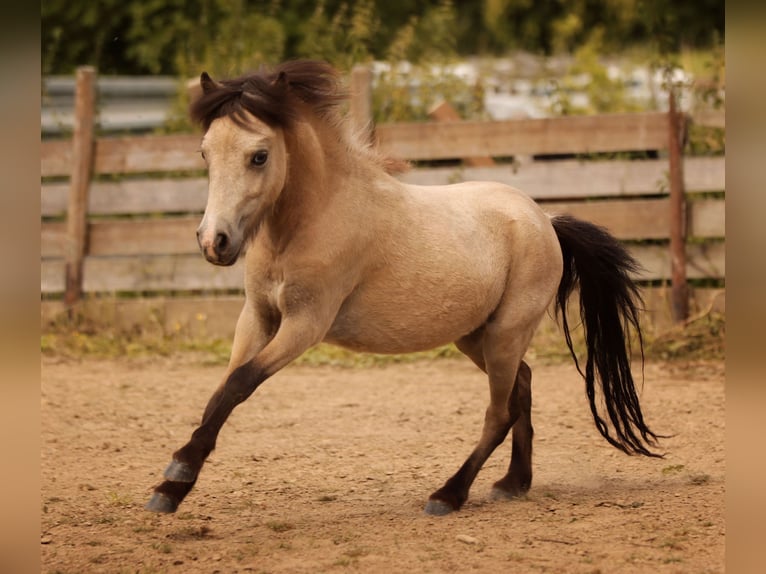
208 84
281 79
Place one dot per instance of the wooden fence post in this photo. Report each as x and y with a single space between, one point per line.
676 137
360 105
79 185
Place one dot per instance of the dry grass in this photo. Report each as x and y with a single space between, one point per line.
699 338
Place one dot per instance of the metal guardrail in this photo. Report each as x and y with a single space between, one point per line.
136 104
125 103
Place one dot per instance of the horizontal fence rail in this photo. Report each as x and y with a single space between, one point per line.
190 272
147 193
630 219
548 136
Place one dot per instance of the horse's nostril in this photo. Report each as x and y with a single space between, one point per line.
221 242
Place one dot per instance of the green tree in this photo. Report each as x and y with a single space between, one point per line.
164 36
80 33
342 38
224 37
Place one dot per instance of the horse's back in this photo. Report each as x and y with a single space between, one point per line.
491 205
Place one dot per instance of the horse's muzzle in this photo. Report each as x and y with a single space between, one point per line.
221 250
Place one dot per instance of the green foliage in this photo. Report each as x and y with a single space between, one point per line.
435 35
404 96
230 36
426 45
419 76
708 92
80 33
344 38
588 75
223 37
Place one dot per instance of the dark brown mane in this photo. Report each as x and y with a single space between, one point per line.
270 95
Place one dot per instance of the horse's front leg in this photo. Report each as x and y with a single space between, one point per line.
294 336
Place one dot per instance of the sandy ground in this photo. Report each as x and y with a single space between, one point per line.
327 470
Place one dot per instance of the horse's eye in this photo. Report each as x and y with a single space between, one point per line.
259 158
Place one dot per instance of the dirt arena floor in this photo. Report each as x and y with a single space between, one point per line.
327 469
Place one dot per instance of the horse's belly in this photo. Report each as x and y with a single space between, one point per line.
390 320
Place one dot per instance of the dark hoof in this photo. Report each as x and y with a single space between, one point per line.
160 502
180 472
438 508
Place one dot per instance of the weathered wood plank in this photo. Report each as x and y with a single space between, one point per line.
707 218
704 174
628 219
130 154
703 261
412 141
148 154
646 218
51 276
452 140
55 157
145 237
709 118
570 134
159 272
169 236
567 179
192 272
146 273
52 236
131 197
706 260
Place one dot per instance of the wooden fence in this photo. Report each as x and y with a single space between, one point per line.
119 214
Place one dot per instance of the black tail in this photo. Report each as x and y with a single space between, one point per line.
609 304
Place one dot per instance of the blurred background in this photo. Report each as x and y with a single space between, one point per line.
493 59
142 285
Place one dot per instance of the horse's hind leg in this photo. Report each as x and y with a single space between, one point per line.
519 477
500 356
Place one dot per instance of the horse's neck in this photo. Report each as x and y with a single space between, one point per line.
321 165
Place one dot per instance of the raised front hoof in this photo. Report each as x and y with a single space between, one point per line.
180 472
438 508
161 503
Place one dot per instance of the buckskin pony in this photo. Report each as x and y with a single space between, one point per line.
337 249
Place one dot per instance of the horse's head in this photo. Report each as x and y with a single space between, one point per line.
246 120
246 170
